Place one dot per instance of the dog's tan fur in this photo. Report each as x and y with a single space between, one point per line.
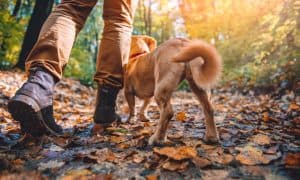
158 71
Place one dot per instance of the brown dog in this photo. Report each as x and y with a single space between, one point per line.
158 71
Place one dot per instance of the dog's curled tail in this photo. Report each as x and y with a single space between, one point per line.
205 62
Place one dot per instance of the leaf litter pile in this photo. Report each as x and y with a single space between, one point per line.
259 138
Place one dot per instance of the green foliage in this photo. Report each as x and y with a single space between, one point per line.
258 40
11 34
157 19
84 53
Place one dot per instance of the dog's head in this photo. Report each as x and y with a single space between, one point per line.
141 44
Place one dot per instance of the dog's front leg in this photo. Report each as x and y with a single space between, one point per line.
131 103
166 114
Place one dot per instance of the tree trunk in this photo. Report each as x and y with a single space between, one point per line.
41 11
150 18
17 8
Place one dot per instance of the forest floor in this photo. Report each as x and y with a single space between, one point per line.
259 135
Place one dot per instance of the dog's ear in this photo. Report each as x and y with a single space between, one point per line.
151 42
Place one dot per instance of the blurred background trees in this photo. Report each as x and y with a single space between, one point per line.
258 39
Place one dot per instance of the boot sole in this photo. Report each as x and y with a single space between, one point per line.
26 111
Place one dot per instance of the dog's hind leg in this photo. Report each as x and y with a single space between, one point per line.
141 114
130 98
211 135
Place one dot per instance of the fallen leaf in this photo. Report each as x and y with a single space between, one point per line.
175 136
137 158
152 177
117 139
273 157
201 162
50 165
272 150
294 106
62 142
292 159
97 129
177 153
261 139
217 155
175 165
181 116
296 121
23 175
266 117
145 132
105 154
208 147
123 145
17 162
250 155
76 174
152 161
104 176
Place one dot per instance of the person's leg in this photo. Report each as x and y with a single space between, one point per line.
113 53
32 104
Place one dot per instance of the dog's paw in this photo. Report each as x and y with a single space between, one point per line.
155 140
143 118
212 139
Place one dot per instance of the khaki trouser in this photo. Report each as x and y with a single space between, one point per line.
53 48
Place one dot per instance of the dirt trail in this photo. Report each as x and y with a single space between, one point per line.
259 138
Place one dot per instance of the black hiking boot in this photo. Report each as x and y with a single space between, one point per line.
32 104
105 112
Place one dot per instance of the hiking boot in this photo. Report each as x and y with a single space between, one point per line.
32 104
105 112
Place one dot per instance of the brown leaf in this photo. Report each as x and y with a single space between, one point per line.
137 158
97 129
99 156
145 132
152 161
23 175
175 165
117 139
177 153
201 162
294 106
261 139
104 176
272 150
105 155
226 159
175 136
208 147
266 117
217 155
17 162
296 121
181 116
152 177
62 142
292 159
123 145
76 174
273 157
250 155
